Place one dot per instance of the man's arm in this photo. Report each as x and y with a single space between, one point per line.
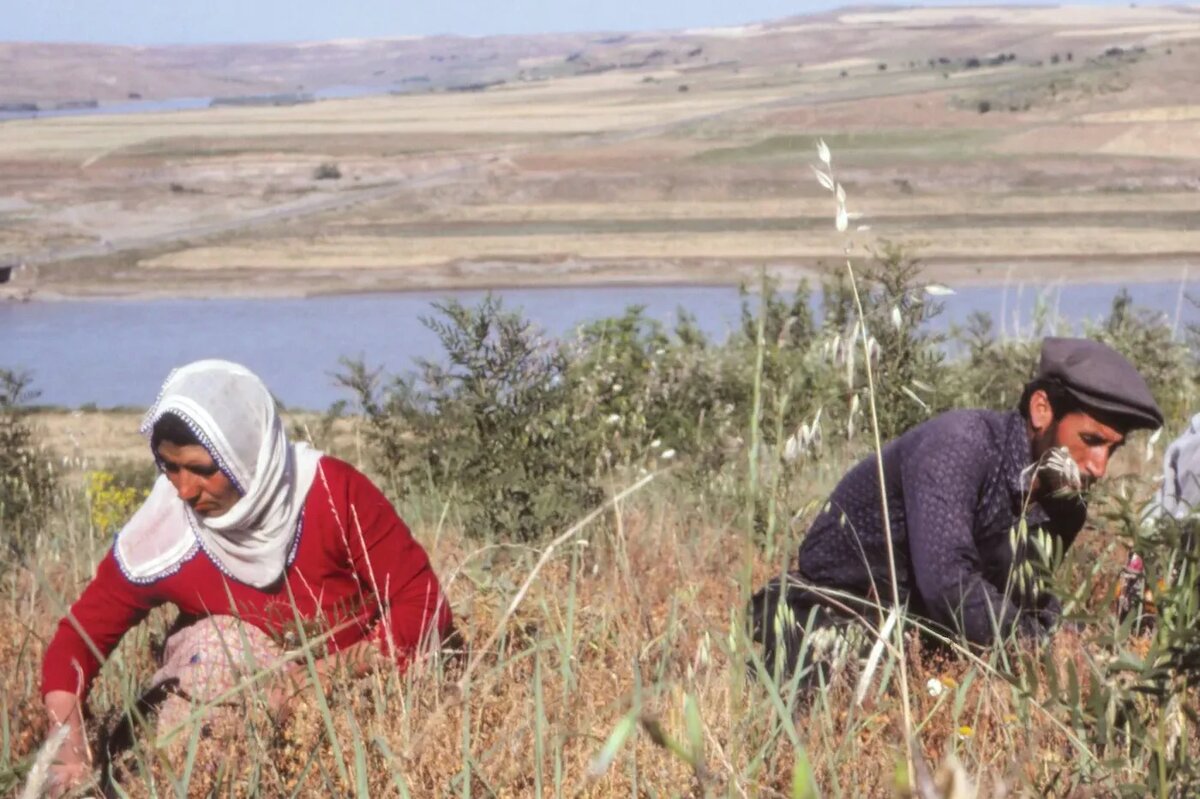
943 478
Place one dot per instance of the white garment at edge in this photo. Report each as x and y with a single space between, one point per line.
234 416
1180 491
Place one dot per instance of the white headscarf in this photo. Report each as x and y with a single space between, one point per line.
234 416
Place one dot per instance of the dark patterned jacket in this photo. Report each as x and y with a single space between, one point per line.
957 487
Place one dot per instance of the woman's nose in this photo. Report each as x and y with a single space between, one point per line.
186 485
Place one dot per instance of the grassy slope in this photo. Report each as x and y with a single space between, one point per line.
638 622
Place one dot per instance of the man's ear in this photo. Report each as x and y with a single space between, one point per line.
1041 415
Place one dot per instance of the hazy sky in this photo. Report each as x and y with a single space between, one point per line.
201 21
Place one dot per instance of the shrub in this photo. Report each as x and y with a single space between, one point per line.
495 426
327 171
909 359
27 479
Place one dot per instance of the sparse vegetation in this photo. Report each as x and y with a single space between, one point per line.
621 670
27 473
508 438
327 171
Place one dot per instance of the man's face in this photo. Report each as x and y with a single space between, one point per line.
1090 441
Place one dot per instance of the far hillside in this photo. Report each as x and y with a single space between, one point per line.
998 143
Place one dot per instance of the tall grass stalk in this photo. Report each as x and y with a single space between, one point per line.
841 222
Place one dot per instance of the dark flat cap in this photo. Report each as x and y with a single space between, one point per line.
1101 379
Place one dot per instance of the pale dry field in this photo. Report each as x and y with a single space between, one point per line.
649 170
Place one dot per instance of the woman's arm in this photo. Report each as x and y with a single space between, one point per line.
392 568
73 765
104 612
106 609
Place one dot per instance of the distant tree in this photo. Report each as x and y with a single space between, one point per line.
327 171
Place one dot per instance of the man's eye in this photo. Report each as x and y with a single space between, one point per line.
203 471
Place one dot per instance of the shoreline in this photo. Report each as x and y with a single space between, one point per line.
296 286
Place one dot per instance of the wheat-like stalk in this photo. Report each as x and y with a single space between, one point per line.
39 775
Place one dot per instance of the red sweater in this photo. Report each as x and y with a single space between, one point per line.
351 550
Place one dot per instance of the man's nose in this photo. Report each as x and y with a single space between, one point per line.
1097 464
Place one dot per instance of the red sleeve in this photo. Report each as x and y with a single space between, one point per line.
108 607
391 564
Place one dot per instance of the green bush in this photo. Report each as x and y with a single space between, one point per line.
27 479
495 427
327 171
1133 700
908 359
524 435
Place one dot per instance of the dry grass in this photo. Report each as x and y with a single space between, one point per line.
634 619
590 104
349 252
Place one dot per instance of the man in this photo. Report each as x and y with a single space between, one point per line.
957 489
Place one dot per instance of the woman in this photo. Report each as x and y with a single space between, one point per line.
241 524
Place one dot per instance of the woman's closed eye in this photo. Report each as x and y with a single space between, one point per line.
199 471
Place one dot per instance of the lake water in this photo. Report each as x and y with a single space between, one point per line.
126 107
114 353
179 104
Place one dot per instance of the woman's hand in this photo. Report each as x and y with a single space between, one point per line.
283 688
68 773
73 764
351 662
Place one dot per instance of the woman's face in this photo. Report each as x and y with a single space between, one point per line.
197 479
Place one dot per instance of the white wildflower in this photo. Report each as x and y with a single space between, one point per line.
935 687
667 454
897 319
938 290
613 418
1060 463
656 443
